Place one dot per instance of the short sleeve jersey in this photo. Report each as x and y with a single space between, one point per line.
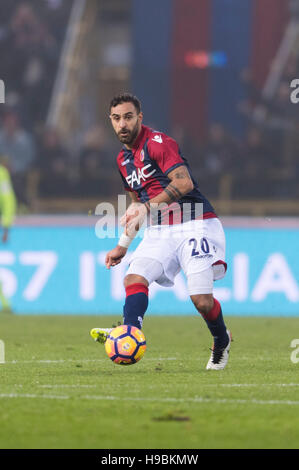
144 170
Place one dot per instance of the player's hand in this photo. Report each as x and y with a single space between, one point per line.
134 218
115 256
131 212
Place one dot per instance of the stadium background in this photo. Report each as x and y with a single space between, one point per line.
213 74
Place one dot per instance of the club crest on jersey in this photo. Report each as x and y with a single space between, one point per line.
142 155
157 138
141 174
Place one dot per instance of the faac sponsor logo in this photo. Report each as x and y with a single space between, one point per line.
142 174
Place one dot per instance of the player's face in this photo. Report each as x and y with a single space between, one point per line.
126 122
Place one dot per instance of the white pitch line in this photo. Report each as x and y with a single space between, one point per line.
157 400
67 386
62 361
31 395
255 385
196 400
53 361
57 361
204 385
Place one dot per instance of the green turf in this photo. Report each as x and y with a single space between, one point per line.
59 390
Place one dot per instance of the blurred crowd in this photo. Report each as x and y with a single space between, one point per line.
264 163
31 37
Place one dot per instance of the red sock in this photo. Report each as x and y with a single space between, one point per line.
216 325
136 288
214 313
136 304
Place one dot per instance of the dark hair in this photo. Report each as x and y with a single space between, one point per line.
126 98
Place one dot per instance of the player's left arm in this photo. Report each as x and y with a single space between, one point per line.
167 155
180 184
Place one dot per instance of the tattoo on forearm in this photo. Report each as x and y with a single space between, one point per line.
173 192
176 191
170 194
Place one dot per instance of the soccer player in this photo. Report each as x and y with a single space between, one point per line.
184 231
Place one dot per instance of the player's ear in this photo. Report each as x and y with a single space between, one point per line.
140 116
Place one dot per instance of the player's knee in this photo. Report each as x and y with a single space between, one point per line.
203 302
133 279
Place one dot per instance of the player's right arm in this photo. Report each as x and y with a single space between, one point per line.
133 197
114 256
132 210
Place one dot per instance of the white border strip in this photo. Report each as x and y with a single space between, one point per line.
62 361
158 385
238 401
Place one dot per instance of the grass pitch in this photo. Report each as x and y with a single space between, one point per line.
58 389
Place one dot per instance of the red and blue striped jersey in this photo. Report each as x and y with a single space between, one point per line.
144 171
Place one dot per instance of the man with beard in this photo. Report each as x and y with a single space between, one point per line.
184 231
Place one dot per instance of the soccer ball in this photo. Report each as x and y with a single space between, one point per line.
125 345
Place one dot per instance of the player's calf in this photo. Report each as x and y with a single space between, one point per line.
136 302
210 310
203 303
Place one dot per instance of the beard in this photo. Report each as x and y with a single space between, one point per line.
129 136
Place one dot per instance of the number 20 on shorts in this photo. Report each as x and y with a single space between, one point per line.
204 246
